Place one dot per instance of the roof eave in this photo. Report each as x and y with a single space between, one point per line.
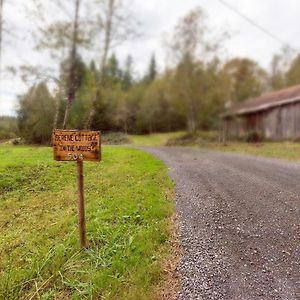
260 107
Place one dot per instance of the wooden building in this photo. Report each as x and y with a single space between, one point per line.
275 116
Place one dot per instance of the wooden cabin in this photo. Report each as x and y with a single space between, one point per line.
275 116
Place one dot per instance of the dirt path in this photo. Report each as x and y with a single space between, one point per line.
239 224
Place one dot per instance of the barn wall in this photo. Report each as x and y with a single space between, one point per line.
278 123
234 127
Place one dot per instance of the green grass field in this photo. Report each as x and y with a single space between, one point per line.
128 210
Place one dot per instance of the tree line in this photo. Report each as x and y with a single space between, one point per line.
106 95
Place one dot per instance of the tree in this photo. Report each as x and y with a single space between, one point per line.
85 91
247 79
127 80
115 25
192 49
36 114
72 73
62 37
1 30
8 127
293 73
152 71
113 73
277 76
122 112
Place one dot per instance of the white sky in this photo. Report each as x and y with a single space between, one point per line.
157 18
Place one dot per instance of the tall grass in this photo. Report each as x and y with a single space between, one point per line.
129 202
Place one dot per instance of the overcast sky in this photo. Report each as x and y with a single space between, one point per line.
157 18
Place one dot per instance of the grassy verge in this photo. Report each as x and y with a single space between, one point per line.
128 198
209 140
283 150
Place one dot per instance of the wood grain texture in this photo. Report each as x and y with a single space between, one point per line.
76 145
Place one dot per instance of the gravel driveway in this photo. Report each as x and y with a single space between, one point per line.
239 226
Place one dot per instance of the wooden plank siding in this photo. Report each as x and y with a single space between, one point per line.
277 123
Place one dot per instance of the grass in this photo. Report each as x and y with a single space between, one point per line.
209 140
282 150
128 206
156 139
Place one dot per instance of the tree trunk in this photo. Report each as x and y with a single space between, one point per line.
191 123
125 126
107 43
55 121
72 74
1 32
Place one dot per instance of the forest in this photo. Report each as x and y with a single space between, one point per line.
92 89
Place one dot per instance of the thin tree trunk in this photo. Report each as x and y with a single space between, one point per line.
107 42
191 120
72 74
108 32
125 126
125 121
1 33
55 121
187 91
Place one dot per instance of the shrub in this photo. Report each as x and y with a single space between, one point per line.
254 137
115 138
196 138
15 142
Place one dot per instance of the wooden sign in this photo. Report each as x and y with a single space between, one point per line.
76 145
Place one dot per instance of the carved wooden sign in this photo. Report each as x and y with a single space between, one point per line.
76 145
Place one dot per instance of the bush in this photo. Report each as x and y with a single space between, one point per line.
115 138
15 142
196 138
254 137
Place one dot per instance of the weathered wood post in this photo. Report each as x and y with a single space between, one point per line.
74 145
81 208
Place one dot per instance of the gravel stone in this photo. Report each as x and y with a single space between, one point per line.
238 224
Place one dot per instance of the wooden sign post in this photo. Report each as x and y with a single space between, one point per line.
79 146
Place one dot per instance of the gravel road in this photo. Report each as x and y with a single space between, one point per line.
239 224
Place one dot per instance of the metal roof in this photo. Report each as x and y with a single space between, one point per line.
265 101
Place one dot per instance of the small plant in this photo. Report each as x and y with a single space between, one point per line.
195 138
115 138
16 142
254 137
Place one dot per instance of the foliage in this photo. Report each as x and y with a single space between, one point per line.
115 138
36 114
247 79
193 51
8 128
293 74
156 139
152 71
128 198
277 78
188 95
253 137
195 138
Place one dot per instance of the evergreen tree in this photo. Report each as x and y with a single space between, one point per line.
127 75
152 71
79 73
36 114
93 67
113 73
